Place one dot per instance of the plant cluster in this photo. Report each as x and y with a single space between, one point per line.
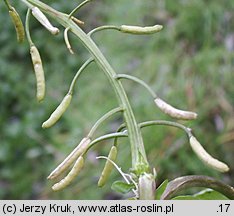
141 178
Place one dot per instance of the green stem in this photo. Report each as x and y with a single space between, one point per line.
27 3
78 7
67 40
139 160
137 80
121 127
102 119
103 28
8 4
108 136
168 123
156 122
27 27
78 74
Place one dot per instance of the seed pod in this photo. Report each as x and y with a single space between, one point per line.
140 30
207 158
79 150
147 187
79 164
18 24
173 112
55 116
36 12
108 167
39 72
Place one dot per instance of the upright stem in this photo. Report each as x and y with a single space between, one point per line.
139 160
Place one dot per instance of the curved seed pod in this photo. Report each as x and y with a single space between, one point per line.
18 24
173 112
36 12
207 158
79 164
55 116
79 150
147 187
108 167
39 72
140 30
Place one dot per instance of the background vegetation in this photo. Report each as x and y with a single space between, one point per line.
189 64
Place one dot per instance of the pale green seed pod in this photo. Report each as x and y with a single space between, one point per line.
18 24
39 72
108 167
140 30
207 158
36 12
147 187
79 150
56 115
173 112
79 164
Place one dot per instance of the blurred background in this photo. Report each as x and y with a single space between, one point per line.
189 64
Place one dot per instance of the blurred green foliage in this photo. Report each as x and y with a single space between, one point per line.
189 64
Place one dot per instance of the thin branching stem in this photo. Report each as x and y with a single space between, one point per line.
106 137
27 30
187 130
137 80
67 41
78 7
155 122
106 27
90 60
104 118
121 127
167 123
29 5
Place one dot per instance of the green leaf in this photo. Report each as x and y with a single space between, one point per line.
132 198
185 182
161 189
207 194
185 197
122 187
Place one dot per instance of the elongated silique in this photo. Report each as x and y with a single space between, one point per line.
39 72
18 24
